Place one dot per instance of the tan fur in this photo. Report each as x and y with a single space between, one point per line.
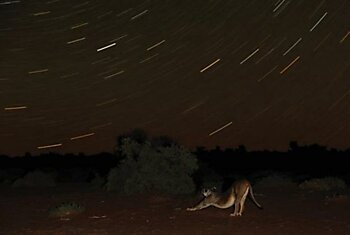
236 195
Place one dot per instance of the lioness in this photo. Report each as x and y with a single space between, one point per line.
235 195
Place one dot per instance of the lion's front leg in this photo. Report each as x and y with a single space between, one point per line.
200 206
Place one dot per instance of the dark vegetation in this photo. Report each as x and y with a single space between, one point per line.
140 163
149 166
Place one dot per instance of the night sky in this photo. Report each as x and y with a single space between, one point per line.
76 74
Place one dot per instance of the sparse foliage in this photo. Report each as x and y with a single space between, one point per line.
66 209
324 184
97 181
275 181
148 168
35 179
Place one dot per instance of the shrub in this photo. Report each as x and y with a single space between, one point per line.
275 181
35 179
5 177
324 184
66 209
10 175
148 168
74 175
97 182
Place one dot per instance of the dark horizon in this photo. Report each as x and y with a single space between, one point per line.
92 150
74 76
292 147
303 160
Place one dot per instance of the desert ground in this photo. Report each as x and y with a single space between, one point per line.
287 210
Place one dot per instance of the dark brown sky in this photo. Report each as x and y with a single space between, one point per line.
76 74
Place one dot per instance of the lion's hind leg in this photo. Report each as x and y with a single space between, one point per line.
242 202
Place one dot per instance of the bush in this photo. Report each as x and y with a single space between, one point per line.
74 175
97 181
148 168
324 184
275 181
35 179
10 175
66 209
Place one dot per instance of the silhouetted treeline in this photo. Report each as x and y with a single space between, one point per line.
309 159
312 159
101 162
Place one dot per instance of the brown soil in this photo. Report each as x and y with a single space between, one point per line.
286 211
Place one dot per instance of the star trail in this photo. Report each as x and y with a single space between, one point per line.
76 74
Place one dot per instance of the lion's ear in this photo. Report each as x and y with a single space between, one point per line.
213 188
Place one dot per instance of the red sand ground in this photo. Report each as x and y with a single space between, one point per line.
286 211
